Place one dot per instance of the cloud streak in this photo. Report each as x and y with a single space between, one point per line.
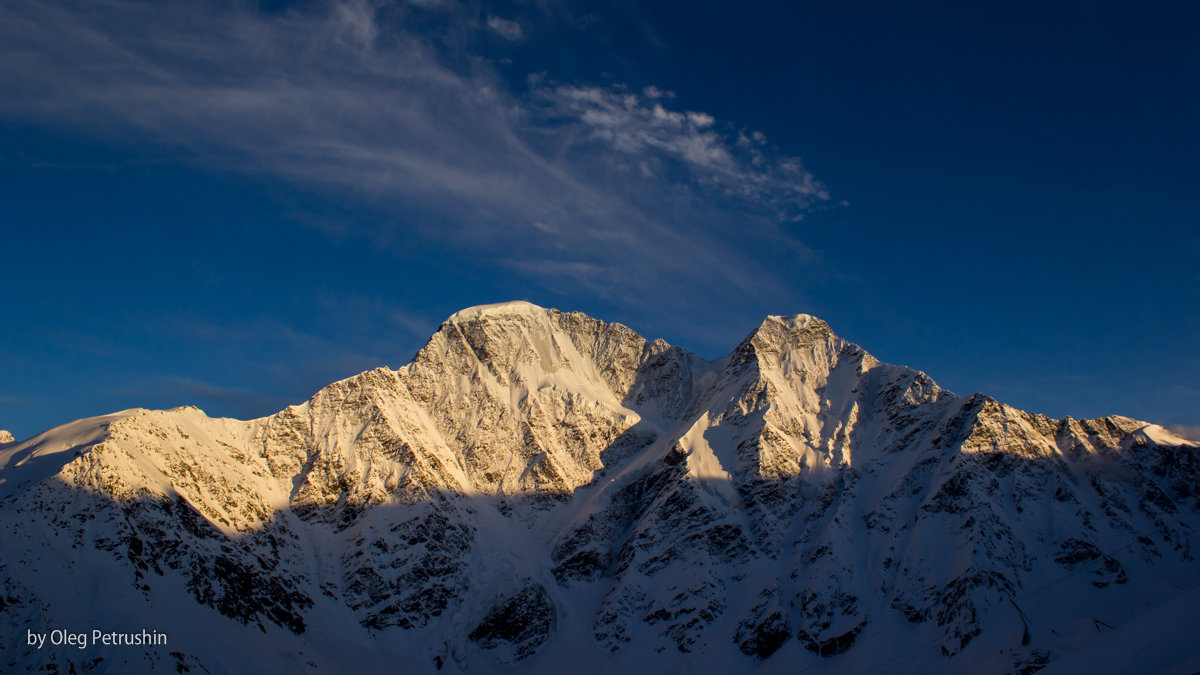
599 188
662 140
273 361
509 30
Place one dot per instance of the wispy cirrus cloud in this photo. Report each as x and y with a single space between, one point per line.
641 127
580 185
346 333
509 30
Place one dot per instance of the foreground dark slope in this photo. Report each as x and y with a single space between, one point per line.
539 488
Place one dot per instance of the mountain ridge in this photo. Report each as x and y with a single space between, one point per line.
536 484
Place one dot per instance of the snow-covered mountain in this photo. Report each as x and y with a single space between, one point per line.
540 490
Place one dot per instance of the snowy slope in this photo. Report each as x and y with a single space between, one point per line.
538 489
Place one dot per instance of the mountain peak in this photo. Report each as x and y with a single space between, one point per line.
6 436
539 484
796 320
802 328
511 308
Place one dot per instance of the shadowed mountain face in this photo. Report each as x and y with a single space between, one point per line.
539 490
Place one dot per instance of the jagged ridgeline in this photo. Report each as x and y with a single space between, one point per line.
540 490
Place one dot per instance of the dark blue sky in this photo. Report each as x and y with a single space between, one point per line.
231 205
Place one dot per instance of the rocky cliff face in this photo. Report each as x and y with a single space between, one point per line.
539 489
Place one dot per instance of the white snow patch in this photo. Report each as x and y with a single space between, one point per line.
1161 436
513 308
704 463
45 454
795 321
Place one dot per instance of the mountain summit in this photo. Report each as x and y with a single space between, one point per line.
540 490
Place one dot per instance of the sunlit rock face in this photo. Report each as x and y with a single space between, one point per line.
541 490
